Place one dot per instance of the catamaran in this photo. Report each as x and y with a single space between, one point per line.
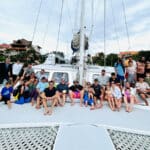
73 127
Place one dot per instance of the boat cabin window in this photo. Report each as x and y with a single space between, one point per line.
57 76
46 74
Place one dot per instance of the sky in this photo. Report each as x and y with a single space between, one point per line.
18 19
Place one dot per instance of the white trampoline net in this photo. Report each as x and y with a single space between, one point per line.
32 138
129 141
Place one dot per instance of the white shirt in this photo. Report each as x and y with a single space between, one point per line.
103 80
131 70
142 86
116 92
16 68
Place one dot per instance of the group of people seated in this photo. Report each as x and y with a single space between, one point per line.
115 90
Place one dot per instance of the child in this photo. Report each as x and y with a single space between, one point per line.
116 92
109 97
128 99
6 94
88 96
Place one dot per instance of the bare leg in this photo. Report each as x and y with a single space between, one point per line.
64 99
46 110
71 98
81 97
54 102
131 103
9 104
38 103
92 107
110 102
126 103
144 99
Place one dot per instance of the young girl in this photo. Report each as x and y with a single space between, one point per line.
109 97
128 99
116 92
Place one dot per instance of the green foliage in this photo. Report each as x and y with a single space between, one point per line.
98 59
145 54
29 56
2 58
111 59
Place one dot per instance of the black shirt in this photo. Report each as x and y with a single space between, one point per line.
76 88
97 89
61 87
50 92
115 80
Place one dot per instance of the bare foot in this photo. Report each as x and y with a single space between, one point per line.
92 108
46 112
50 112
86 104
37 107
81 105
72 103
32 103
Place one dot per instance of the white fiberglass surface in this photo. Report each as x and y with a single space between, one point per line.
26 114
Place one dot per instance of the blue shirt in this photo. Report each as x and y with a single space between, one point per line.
6 92
119 68
42 85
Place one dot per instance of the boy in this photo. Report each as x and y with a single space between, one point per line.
6 94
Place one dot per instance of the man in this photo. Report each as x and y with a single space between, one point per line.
5 70
41 86
16 68
41 74
113 78
143 89
76 91
29 70
62 90
49 94
99 93
120 70
103 78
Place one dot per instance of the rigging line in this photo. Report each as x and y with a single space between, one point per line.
125 19
46 30
104 32
92 20
115 26
76 25
61 12
36 21
69 16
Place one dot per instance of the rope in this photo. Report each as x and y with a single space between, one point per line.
59 25
115 26
69 16
36 21
76 16
92 19
46 30
104 32
126 25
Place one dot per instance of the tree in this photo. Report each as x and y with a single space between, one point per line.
111 59
145 54
98 59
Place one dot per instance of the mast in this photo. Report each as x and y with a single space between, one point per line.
81 63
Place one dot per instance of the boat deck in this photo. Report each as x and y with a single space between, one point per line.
82 127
